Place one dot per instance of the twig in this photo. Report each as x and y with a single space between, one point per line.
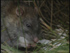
45 23
40 13
59 11
42 4
51 12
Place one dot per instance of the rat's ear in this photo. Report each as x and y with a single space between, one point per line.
19 11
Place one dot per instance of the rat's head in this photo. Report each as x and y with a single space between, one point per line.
30 26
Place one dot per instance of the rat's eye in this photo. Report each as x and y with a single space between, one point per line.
28 25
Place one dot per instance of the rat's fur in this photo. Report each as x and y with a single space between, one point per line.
28 29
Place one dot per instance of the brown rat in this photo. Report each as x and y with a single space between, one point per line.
22 24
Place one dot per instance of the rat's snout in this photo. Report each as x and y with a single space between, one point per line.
36 39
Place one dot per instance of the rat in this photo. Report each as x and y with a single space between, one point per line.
22 24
